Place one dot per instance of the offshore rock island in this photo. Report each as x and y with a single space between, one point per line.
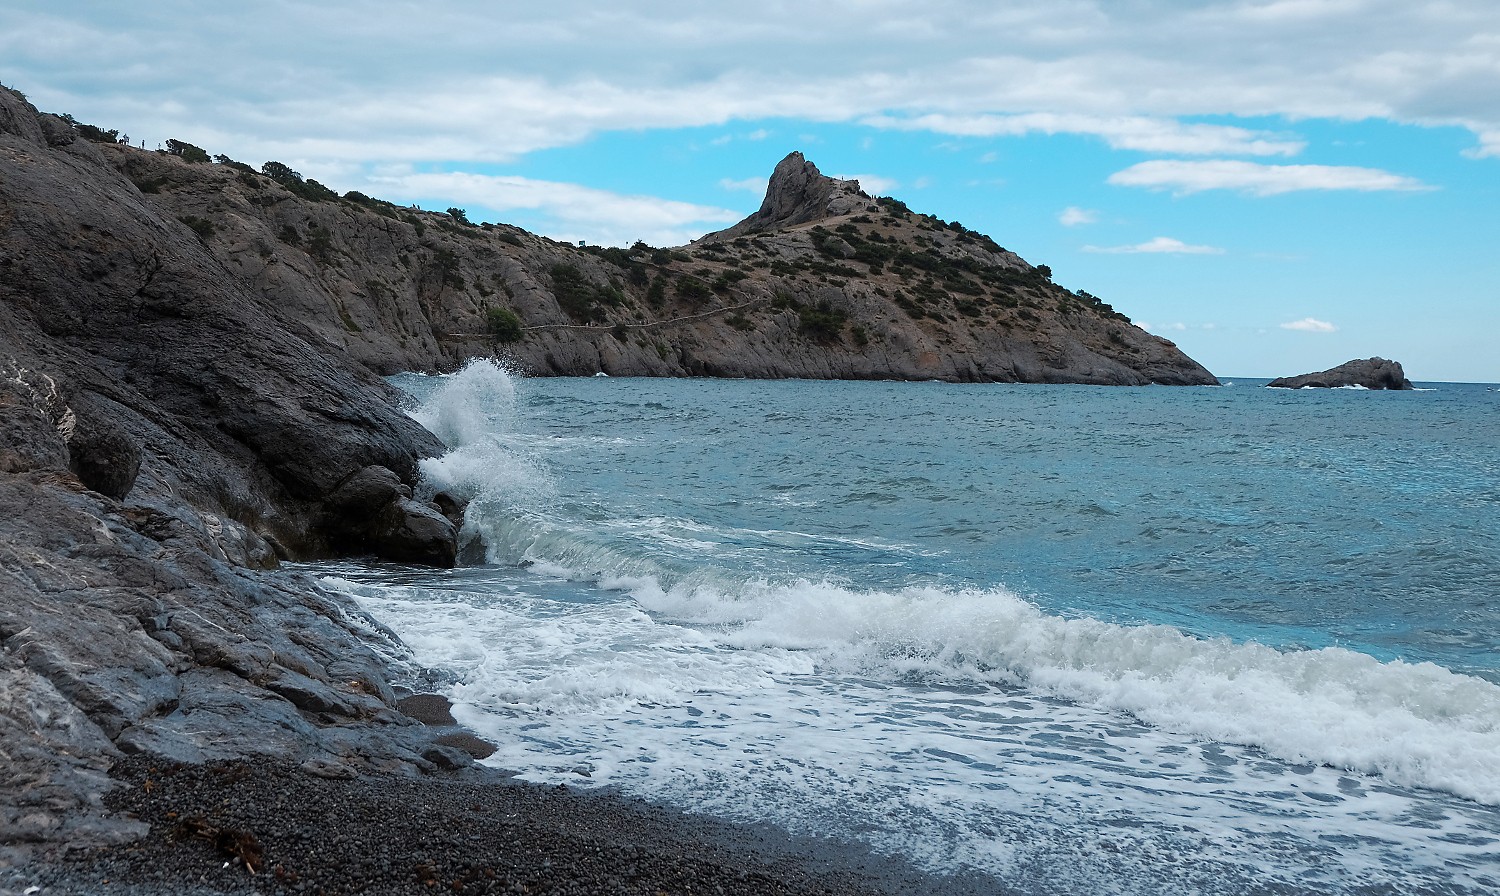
1367 373
190 395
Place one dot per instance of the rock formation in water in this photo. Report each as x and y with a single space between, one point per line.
1371 373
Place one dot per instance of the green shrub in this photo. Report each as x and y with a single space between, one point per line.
187 152
241 167
446 263
203 227
320 244
95 135
503 325
693 289
575 294
822 323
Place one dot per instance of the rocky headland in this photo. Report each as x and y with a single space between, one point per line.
1369 373
191 354
823 282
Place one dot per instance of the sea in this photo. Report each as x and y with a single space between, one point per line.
1049 639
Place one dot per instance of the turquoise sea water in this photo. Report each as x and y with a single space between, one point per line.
1078 639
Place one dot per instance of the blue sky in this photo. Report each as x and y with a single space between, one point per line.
1276 185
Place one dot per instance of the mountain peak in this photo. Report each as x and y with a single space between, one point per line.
798 193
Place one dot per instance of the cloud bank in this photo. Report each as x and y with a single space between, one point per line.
1162 245
1184 177
466 80
1310 325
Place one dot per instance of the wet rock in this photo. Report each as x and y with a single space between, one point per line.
363 495
451 506
1371 373
475 746
429 709
446 757
409 531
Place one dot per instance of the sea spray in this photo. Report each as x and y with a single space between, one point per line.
473 412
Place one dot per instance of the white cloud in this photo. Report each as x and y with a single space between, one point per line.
1164 245
1140 133
1310 325
1072 216
1183 177
378 80
749 184
873 184
574 212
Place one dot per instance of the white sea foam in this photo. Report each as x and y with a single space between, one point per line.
833 712
473 412
958 727
1414 724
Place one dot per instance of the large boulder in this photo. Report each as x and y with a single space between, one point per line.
373 512
1371 373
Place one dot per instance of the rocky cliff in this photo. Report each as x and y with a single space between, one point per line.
164 440
822 282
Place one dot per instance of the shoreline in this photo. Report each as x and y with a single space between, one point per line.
469 831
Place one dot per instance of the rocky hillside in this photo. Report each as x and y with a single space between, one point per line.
823 282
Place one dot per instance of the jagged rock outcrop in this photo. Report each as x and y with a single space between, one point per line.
1370 373
158 365
797 194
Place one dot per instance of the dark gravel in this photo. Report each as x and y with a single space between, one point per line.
470 833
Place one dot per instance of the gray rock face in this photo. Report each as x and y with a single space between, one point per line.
373 512
120 632
159 346
161 437
413 532
1371 373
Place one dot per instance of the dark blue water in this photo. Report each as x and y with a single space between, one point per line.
1209 639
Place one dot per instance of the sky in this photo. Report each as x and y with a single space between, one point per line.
1277 186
